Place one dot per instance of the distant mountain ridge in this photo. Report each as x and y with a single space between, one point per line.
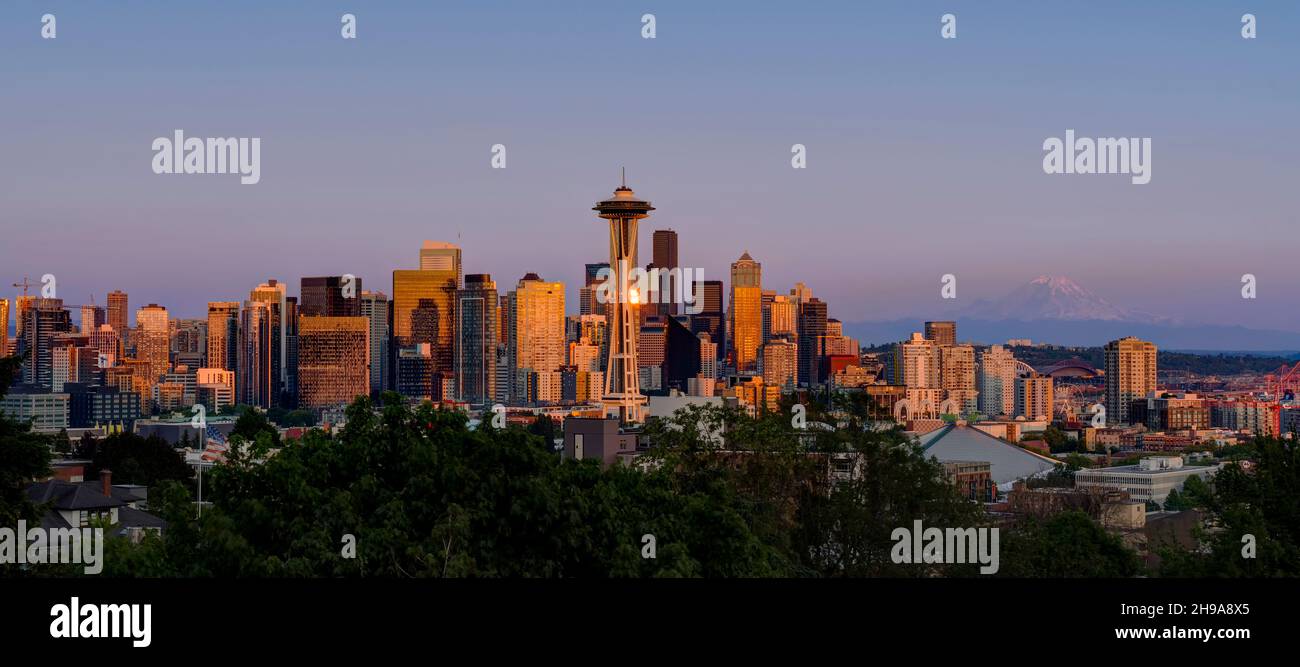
1057 310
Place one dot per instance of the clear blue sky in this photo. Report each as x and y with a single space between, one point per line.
924 154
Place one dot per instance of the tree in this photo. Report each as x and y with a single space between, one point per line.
24 456
1254 514
1069 544
253 422
135 459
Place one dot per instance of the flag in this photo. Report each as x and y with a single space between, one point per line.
216 447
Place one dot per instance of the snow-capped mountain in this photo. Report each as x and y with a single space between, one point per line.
1052 298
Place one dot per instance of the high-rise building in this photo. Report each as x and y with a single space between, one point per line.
956 366
664 257
958 376
711 319
223 335
330 296
424 304
942 333
375 307
272 292
118 313
107 344
708 357
1034 396
41 321
153 341
781 363
997 382
4 327
812 327
333 360
746 321
91 317
588 299
916 363
780 316
215 388
289 392
681 354
535 331
652 341
623 397
257 380
1130 375
441 257
476 344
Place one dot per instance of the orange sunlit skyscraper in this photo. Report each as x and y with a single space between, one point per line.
746 312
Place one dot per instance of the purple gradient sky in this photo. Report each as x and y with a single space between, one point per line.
924 154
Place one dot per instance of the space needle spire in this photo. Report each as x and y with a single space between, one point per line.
623 396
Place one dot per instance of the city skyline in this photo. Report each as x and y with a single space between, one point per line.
958 170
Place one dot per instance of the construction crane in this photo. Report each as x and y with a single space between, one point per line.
25 284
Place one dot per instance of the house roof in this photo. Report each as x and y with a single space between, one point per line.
1007 462
130 517
70 496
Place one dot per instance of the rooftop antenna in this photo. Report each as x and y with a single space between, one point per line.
624 176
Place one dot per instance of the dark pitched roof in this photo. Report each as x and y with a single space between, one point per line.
129 517
70 496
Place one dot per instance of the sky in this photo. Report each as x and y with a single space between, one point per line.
924 154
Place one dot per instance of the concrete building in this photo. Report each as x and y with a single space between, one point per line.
1151 479
997 382
1130 375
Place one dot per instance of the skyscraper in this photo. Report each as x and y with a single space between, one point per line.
256 381
442 257
958 377
333 360
153 341
916 363
375 307
91 317
4 327
622 393
1034 396
1130 375
476 344
41 321
331 296
681 354
711 319
108 344
781 363
588 303
664 257
423 306
997 377
812 327
117 312
272 292
942 333
535 336
223 335
746 313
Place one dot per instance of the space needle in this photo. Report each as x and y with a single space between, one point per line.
622 389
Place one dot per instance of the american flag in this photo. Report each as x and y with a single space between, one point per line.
216 448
